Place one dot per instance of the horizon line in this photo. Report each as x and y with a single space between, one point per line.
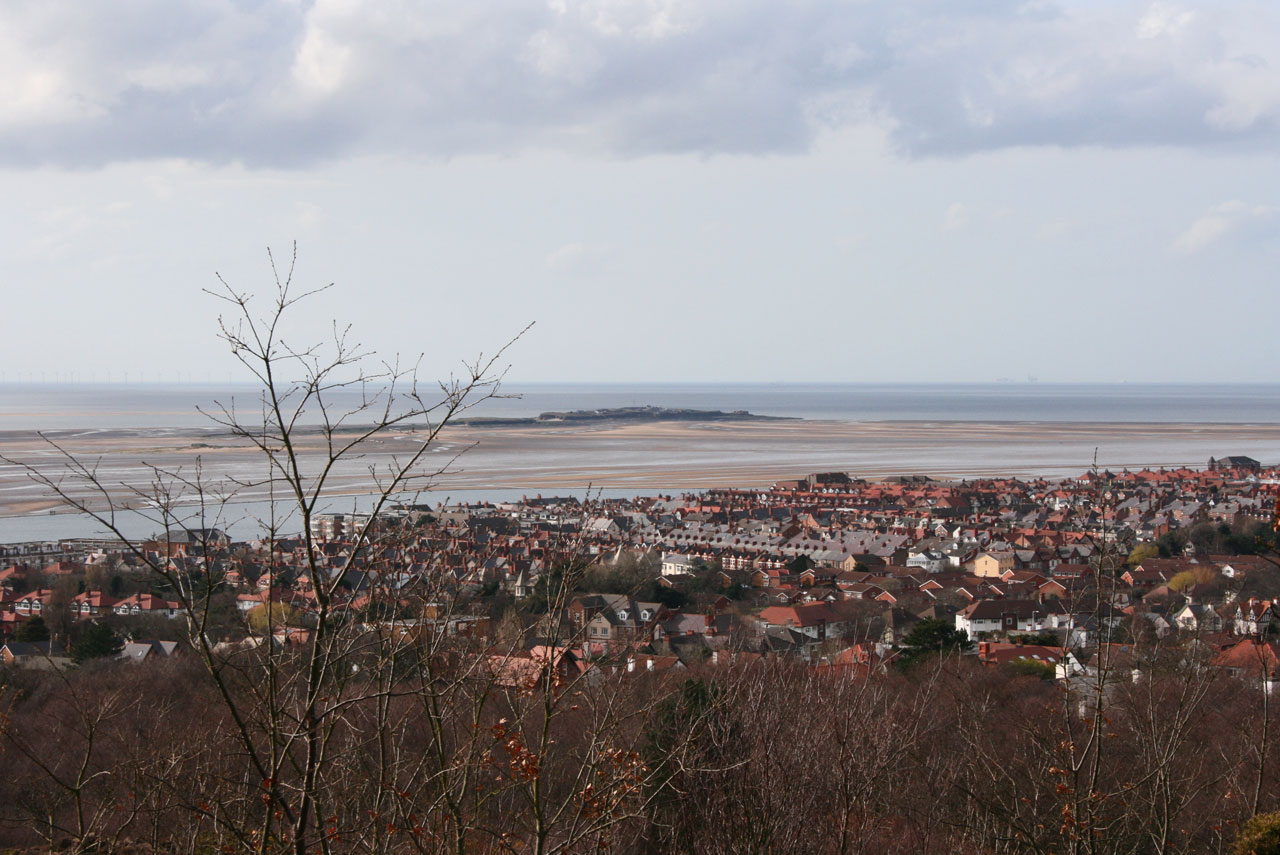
745 383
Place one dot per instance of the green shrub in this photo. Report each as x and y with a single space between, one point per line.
1260 835
1032 668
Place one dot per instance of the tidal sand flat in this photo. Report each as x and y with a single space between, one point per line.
641 457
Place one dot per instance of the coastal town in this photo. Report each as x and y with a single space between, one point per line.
829 570
639 669
639 427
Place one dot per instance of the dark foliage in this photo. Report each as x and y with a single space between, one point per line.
930 637
32 629
1260 835
98 641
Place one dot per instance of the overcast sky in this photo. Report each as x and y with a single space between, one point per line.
710 190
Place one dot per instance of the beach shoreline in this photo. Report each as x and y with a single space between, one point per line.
645 456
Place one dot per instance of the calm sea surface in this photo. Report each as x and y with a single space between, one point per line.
54 406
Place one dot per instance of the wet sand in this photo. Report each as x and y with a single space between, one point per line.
641 457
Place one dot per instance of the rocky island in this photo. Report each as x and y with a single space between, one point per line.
625 414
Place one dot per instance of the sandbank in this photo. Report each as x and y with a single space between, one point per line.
646 457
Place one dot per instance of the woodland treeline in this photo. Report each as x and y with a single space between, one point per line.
433 747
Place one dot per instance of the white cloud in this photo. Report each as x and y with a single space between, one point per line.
956 218
557 57
322 62
168 76
639 19
1220 221
1054 230
579 259
310 216
284 83
1163 19
566 255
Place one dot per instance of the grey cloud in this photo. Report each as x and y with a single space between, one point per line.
1101 78
285 84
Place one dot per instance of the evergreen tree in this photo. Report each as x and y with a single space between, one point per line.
97 641
799 564
32 629
928 637
1260 835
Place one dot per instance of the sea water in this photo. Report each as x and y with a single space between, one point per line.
160 408
48 406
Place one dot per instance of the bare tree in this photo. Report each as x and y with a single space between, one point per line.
290 705
375 724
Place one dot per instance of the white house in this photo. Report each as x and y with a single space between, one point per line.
676 564
1004 616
